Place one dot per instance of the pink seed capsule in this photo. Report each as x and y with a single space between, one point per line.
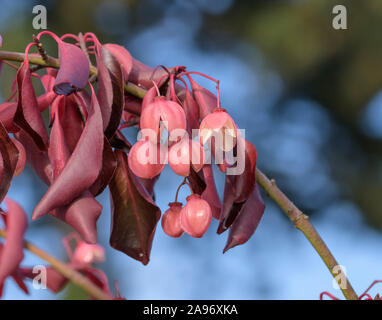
170 113
185 153
146 159
171 220
195 217
220 125
88 253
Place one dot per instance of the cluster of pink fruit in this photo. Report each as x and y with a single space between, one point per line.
148 156
89 95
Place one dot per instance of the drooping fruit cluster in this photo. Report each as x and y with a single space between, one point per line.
91 94
194 218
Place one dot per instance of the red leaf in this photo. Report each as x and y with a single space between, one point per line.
72 123
238 188
8 110
247 220
210 194
7 113
82 214
58 150
132 104
110 90
74 69
48 79
134 214
37 159
9 156
230 209
143 75
12 253
109 164
191 109
27 114
19 279
123 56
245 182
21 158
196 179
45 100
203 184
81 170
206 99
105 87
149 185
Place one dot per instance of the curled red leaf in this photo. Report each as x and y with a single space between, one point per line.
247 220
82 214
110 90
82 168
74 69
28 116
9 159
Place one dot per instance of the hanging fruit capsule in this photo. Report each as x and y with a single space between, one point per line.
195 217
171 220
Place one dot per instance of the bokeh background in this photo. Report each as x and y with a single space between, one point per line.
309 98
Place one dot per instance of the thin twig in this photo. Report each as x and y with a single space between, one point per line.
301 222
54 63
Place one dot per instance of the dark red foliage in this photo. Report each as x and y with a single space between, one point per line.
28 116
110 90
83 166
9 156
134 214
85 150
247 220
7 114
